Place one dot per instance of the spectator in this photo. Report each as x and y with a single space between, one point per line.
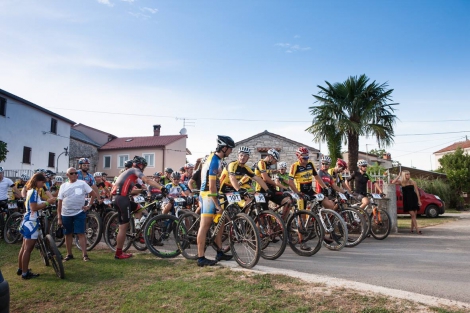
411 198
6 183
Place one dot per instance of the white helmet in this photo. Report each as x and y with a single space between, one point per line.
189 165
24 177
274 153
361 163
282 165
59 179
244 149
97 174
1 169
325 159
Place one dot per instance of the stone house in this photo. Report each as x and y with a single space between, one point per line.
82 146
262 142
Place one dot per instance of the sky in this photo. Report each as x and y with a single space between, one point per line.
240 67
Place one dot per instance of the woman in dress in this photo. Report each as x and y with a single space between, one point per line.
411 198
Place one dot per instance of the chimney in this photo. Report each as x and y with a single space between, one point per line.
156 130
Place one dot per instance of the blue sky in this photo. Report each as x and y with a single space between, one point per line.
248 60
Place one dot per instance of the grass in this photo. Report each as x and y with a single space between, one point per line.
148 284
404 221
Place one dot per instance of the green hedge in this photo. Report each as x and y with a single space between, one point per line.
440 188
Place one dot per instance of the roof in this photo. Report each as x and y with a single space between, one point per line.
78 135
462 144
141 142
312 149
83 125
35 106
417 173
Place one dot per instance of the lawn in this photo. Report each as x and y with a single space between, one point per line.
404 221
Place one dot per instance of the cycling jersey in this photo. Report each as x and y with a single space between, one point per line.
284 179
241 172
31 197
209 172
19 185
42 193
197 178
263 167
175 191
88 178
126 181
164 181
185 178
327 179
303 176
338 179
360 182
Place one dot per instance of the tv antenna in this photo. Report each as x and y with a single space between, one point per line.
186 122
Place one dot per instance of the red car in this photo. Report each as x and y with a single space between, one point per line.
431 205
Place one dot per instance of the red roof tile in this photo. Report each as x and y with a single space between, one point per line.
462 144
141 142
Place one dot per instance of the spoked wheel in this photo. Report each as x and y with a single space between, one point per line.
273 234
111 231
160 235
54 256
186 234
304 233
356 225
93 231
336 232
11 233
380 224
54 225
245 242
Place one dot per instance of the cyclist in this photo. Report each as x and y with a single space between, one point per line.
155 191
167 178
127 165
336 171
56 187
49 179
282 177
327 179
103 192
174 189
188 173
44 193
106 182
121 190
360 183
209 200
19 184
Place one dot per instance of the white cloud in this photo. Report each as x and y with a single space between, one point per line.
153 11
291 48
139 15
106 2
284 45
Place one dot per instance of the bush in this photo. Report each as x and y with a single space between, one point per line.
440 188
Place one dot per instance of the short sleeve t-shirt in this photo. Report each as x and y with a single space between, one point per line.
4 184
73 197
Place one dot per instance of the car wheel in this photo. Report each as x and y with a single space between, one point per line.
432 211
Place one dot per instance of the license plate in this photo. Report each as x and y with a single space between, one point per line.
376 196
12 205
342 196
319 196
259 198
139 199
233 197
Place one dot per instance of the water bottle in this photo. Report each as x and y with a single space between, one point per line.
217 217
137 223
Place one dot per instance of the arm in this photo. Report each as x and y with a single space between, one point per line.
345 186
151 182
377 186
261 182
267 179
93 196
59 212
15 191
292 186
320 181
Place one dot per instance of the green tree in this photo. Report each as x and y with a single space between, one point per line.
457 168
3 151
354 108
378 152
333 143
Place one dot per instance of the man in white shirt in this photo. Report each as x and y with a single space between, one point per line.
6 183
71 211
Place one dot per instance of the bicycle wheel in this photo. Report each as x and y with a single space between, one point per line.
54 225
160 235
110 234
186 234
244 241
54 256
93 231
336 232
380 224
304 233
11 233
41 245
273 234
356 225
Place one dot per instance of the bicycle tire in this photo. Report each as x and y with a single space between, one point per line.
304 227
54 225
380 228
93 231
356 224
186 234
42 249
245 242
138 242
111 231
336 230
273 234
160 235
54 256
11 233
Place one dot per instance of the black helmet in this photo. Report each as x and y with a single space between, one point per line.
128 163
225 141
176 175
140 160
168 170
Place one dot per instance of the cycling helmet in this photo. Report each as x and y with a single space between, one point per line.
168 170
245 150
98 174
361 163
128 164
139 160
59 179
189 165
104 174
24 177
325 159
342 163
157 174
300 151
40 170
83 161
225 141
274 153
282 165
1 169
176 175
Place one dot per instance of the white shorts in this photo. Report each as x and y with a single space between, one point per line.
29 229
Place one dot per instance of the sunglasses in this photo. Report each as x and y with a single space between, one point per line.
305 157
325 164
74 173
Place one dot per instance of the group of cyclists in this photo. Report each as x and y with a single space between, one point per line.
211 176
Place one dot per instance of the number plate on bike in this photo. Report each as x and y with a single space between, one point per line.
107 201
342 196
259 198
319 196
376 196
179 200
139 199
12 205
233 197
295 196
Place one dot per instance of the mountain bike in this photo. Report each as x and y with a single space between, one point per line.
379 222
356 223
11 220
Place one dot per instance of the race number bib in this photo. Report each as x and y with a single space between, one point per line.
319 196
139 199
233 198
294 196
12 205
376 196
107 201
259 198
342 196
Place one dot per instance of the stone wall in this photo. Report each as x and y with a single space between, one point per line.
79 150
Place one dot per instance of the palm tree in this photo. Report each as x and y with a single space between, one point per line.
354 108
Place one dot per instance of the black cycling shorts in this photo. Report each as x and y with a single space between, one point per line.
123 207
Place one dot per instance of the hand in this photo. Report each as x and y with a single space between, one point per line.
52 200
86 208
243 192
59 221
269 193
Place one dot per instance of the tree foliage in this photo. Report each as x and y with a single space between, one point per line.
457 168
353 108
3 151
378 152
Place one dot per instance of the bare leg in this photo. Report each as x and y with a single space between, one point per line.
206 222
82 240
68 243
28 247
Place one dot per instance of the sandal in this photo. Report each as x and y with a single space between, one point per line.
420 233
68 257
86 258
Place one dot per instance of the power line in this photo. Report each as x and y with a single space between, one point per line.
463 131
425 149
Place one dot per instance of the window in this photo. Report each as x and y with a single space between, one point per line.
107 161
53 126
122 159
3 107
27 155
51 160
150 157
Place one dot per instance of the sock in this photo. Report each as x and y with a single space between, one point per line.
118 251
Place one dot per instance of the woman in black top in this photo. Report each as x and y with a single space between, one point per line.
411 199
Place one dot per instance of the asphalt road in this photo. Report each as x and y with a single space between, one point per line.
436 263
